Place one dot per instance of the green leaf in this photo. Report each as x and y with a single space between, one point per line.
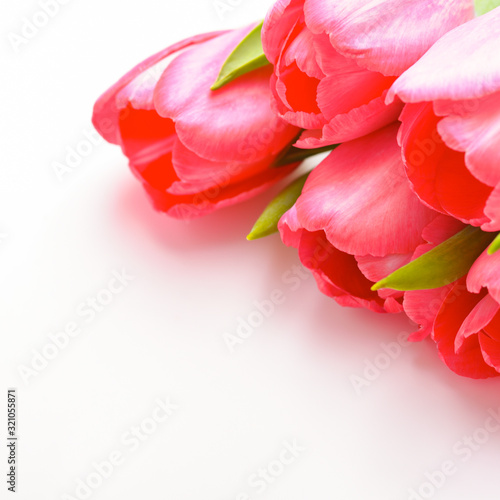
495 246
444 264
483 6
247 56
267 223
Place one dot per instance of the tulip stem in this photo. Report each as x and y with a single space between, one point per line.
495 246
295 155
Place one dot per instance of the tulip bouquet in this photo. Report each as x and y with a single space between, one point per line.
403 215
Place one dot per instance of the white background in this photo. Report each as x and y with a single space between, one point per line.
162 337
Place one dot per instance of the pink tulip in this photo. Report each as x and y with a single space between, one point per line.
451 129
193 149
357 221
464 319
336 59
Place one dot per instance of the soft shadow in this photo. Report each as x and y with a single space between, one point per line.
228 227
386 327
229 224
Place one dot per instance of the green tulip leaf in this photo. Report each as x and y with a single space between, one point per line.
495 246
444 264
267 223
247 56
483 6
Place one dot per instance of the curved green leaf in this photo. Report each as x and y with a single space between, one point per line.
483 6
495 246
267 223
444 264
247 56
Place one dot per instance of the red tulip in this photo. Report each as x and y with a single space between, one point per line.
193 149
451 127
357 221
336 59
464 319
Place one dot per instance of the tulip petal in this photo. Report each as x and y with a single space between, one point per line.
145 136
492 329
159 176
193 170
439 230
294 85
347 85
190 167
490 349
340 93
279 22
183 94
463 64
360 196
385 36
298 51
469 362
437 173
357 123
422 306
301 85
422 149
290 228
298 91
336 273
485 273
473 127
460 193
478 319
376 268
138 82
492 211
